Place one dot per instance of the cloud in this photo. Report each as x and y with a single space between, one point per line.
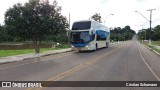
103 1
6 4
141 0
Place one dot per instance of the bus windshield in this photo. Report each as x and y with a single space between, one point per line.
80 36
81 25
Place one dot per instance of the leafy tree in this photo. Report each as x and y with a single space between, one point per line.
96 17
121 34
61 37
3 34
156 33
34 20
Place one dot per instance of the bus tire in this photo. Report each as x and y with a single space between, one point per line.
96 46
107 45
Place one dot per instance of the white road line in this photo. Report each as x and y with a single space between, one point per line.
148 66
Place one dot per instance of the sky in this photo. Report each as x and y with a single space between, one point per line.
123 10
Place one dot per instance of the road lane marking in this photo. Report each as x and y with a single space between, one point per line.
151 49
59 56
77 68
57 77
35 61
66 73
148 65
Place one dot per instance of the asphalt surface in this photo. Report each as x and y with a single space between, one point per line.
124 61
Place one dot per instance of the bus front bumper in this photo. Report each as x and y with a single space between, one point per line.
86 48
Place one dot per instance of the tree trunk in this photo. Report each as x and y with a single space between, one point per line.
37 43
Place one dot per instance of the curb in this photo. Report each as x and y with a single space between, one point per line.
10 59
151 49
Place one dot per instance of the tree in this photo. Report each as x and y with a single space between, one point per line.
156 33
3 34
96 17
61 37
153 34
121 34
34 20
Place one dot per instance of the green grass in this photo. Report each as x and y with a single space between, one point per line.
156 43
152 47
57 48
158 50
4 53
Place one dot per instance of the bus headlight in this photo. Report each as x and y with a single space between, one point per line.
72 46
87 46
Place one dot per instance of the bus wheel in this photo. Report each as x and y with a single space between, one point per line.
96 47
107 44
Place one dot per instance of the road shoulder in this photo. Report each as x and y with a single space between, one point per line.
150 49
31 56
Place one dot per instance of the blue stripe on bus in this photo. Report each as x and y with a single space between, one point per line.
103 34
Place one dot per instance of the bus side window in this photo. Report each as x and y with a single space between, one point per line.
98 37
104 38
93 37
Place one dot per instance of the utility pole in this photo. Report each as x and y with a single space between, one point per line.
150 10
145 32
150 22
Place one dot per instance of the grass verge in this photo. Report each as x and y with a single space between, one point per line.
4 53
156 43
152 47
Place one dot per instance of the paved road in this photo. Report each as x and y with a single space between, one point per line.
124 61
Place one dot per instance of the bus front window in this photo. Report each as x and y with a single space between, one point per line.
80 36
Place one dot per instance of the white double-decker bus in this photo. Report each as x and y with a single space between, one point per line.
89 35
